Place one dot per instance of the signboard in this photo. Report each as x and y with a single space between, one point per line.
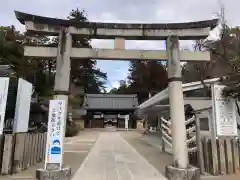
4 83
55 138
22 109
121 116
224 113
97 116
126 121
110 116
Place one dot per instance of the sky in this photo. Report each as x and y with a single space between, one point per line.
135 11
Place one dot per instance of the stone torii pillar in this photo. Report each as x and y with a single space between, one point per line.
180 168
180 154
61 92
63 65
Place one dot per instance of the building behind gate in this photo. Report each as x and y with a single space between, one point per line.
109 109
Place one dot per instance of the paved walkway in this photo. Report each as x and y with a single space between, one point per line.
112 158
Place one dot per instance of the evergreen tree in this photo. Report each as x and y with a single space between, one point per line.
12 51
145 77
83 71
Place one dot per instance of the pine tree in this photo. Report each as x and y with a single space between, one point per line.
145 77
83 71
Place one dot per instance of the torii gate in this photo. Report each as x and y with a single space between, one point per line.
172 33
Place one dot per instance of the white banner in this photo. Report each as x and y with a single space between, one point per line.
4 83
23 104
224 110
55 138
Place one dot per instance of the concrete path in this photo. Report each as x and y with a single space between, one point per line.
112 158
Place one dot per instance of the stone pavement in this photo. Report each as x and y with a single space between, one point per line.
149 147
112 158
113 155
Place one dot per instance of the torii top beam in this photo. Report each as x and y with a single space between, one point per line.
51 26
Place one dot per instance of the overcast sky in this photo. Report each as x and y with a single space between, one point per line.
158 11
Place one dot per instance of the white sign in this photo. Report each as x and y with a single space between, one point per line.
126 121
4 83
121 116
109 116
22 109
97 116
55 138
224 110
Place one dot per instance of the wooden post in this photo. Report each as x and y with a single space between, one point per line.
228 154
205 141
18 152
26 151
199 146
34 148
235 155
44 145
212 129
31 149
7 154
238 149
1 150
40 147
37 147
222 158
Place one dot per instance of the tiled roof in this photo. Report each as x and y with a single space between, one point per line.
110 101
